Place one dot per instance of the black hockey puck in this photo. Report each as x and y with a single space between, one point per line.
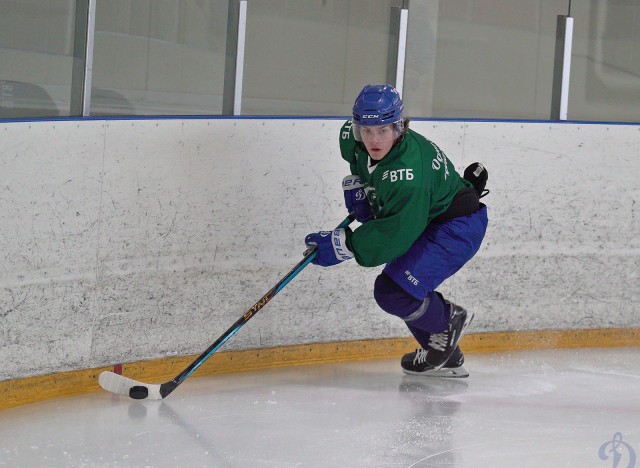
138 392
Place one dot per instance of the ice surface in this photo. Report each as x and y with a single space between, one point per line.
524 409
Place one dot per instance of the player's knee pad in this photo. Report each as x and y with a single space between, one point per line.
392 298
428 314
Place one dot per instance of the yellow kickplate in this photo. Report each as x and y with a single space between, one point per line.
32 389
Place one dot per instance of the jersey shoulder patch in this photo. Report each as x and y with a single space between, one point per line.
347 143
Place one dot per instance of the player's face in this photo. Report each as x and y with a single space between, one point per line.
378 140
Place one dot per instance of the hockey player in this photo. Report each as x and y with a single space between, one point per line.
419 217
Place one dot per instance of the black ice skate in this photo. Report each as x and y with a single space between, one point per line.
453 368
442 354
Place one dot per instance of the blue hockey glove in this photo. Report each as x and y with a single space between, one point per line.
355 198
332 247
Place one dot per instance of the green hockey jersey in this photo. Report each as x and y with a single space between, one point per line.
413 184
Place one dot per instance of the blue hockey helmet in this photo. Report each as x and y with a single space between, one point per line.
377 105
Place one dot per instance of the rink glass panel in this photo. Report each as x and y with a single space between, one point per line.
464 58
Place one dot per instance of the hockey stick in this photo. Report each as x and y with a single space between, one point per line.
116 383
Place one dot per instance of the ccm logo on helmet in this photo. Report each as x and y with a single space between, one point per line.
371 116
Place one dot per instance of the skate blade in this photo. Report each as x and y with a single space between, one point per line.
446 372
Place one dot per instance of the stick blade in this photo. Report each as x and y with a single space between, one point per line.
127 387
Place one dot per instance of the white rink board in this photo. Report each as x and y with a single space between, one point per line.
125 240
